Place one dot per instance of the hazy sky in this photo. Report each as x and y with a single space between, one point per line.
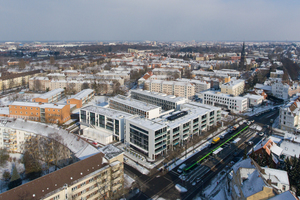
161 20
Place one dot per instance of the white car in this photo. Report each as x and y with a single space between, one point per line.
261 134
180 168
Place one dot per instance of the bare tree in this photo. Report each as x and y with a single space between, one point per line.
22 64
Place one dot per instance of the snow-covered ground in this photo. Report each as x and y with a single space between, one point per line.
217 189
137 166
256 127
259 110
180 188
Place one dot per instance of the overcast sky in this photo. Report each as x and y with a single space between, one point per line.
160 20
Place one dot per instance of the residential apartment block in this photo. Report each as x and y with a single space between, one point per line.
41 112
107 123
235 104
199 85
81 98
133 106
234 87
289 116
284 90
254 100
166 102
277 74
100 176
52 96
152 137
179 89
166 71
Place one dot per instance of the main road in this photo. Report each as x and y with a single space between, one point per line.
162 185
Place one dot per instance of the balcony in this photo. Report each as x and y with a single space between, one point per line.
160 149
159 145
185 136
176 132
156 136
176 136
156 141
185 131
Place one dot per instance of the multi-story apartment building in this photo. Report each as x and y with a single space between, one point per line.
38 83
14 132
235 104
133 106
152 137
277 74
166 102
17 79
289 116
103 120
75 85
81 98
199 85
41 112
180 89
284 90
234 87
164 71
100 176
228 72
52 96
116 74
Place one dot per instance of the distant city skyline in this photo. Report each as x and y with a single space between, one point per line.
131 20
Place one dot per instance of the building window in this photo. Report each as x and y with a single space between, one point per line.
56 197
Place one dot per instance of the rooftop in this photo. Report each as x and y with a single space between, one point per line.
51 93
111 151
112 113
82 94
133 103
37 104
170 98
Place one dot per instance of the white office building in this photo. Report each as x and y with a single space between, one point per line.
254 100
289 116
152 137
235 104
133 106
280 90
166 102
103 124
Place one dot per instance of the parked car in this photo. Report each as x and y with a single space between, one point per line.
249 142
261 134
180 168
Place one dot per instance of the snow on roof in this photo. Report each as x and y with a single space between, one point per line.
109 112
276 176
82 94
110 151
234 82
219 94
80 148
133 103
51 93
291 137
37 104
252 183
170 98
276 150
275 139
4 110
290 148
253 96
243 164
284 195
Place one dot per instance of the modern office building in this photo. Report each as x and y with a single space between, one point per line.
234 87
106 122
52 96
166 102
100 176
133 106
235 104
289 116
254 100
81 98
41 112
152 137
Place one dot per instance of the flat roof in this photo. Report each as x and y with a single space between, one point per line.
170 98
51 93
109 112
37 104
134 103
80 95
223 95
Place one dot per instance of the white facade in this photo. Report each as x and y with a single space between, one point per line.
289 116
233 87
254 100
280 90
235 104
154 137
104 121
133 106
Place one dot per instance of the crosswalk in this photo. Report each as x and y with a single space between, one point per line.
199 172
